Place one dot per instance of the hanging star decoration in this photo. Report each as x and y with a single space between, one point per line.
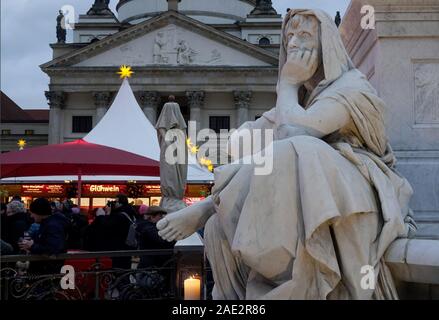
21 144
194 150
125 72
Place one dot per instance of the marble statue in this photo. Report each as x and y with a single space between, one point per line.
333 202
173 177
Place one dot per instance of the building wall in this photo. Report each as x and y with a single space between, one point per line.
215 104
38 138
401 59
225 11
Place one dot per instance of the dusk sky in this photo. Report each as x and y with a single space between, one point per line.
29 26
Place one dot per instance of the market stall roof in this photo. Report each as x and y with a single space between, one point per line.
75 158
126 127
85 178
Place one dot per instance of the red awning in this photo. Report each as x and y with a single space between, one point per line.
75 158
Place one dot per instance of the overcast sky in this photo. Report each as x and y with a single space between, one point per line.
28 26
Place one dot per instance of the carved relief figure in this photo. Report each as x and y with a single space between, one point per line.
427 93
185 54
160 56
215 57
333 202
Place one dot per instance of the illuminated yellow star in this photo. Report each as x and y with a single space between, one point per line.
194 149
21 144
210 167
125 72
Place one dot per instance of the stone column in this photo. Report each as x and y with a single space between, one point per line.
150 101
196 103
242 103
56 101
102 101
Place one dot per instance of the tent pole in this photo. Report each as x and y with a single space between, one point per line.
79 187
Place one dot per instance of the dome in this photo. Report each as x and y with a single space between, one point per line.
210 12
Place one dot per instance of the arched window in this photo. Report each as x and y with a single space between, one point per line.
264 41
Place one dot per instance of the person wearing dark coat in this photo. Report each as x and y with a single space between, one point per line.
78 224
149 238
51 238
94 234
6 248
118 225
17 222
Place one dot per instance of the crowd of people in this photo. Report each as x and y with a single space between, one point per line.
52 228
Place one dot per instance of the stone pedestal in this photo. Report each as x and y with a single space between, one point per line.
415 267
400 57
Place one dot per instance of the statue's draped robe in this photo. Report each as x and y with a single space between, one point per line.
172 176
329 209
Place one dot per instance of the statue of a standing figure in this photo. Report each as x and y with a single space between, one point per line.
263 7
100 7
171 132
333 202
159 54
61 31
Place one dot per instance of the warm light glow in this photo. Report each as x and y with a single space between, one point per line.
192 289
125 72
194 150
21 144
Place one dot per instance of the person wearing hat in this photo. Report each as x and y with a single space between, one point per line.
141 212
149 238
51 238
16 223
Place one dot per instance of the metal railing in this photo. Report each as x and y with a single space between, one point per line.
95 277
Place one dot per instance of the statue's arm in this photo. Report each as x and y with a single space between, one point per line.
322 118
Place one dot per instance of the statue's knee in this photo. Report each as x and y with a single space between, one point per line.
213 231
211 226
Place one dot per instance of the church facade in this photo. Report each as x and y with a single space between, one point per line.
219 58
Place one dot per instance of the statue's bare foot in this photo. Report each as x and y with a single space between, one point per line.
185 222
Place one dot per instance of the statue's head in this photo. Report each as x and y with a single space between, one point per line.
301 35
315 35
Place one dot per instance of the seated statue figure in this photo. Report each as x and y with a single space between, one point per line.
320 223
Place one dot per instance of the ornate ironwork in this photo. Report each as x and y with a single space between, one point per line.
96 282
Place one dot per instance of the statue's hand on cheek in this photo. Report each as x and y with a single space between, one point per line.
301 65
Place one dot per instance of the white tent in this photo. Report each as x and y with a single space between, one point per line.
126 127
